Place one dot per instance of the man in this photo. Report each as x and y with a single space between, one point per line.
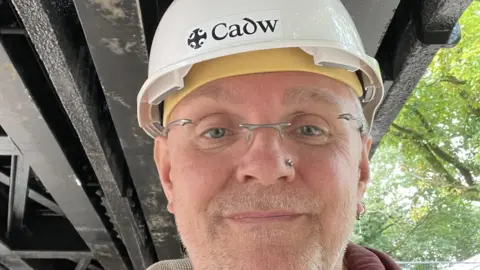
260 110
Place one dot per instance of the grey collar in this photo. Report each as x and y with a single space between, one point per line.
179 264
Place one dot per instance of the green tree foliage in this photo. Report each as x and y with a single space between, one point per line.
424 201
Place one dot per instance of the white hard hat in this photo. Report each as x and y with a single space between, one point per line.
192 31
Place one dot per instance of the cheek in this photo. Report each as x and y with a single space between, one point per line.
331 174
196 179
331 178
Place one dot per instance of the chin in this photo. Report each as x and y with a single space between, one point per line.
275 258
259 251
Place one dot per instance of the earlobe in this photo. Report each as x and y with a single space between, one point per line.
162 161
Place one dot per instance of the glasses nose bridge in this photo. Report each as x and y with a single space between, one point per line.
252 127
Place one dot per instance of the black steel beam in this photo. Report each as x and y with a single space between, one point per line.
371 17
52 254
35 196
49 233
10 260
17 197
417 31
22 120
115 36
83 264
93 267
77 89
12 31
7 147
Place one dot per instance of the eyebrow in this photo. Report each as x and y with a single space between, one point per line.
292 96
217 93
295 96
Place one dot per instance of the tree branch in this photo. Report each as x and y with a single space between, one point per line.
453 80
385 228
372 237
453 160
427 125
438 201
449 79
422 119
432 159
410 233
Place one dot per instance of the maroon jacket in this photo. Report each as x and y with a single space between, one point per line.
356 258
361 258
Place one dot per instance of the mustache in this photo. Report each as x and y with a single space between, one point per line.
257 197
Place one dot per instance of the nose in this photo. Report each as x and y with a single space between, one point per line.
266 160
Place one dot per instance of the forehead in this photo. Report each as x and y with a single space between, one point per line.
285 88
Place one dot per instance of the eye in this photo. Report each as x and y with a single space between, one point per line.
215 133
310 131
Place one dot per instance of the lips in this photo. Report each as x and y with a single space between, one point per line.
261 216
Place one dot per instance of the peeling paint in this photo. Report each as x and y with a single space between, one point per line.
111 9
117 46
161 236
151 202
113 44
118 99
129 45
162 221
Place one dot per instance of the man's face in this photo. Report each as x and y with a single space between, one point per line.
249 210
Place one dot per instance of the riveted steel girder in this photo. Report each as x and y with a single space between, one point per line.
116 39
21 118
75 82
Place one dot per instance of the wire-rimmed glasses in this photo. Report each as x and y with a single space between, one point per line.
217 132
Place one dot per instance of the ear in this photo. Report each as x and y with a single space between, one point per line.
163 163
364 168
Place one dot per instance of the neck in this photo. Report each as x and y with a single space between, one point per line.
342 262
340 265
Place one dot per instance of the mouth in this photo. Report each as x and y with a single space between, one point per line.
264 217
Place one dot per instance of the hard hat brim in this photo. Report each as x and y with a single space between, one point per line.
170 78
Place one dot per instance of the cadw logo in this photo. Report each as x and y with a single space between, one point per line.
224 31
197 38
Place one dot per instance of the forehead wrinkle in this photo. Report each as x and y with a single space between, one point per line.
300 95
216 92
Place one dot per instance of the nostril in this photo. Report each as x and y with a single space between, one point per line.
248 178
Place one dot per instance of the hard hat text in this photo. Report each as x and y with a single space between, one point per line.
221 30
